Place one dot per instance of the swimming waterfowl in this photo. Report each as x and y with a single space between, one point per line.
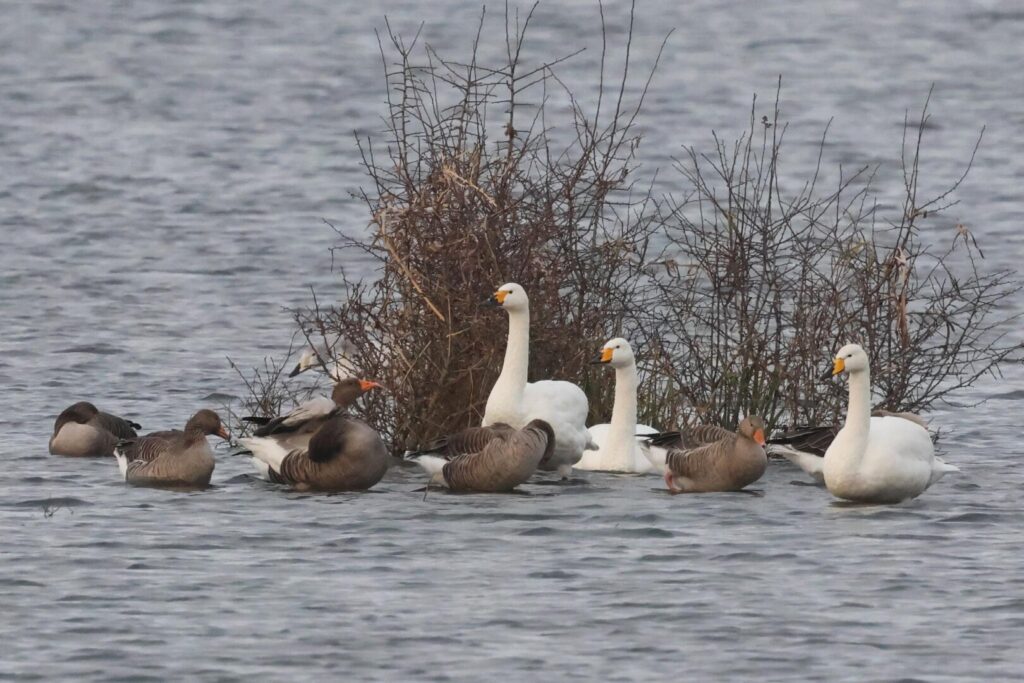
487 459
516 402
295 428
172 457
344 454
805 446
710 458
83 430
877 459
617 447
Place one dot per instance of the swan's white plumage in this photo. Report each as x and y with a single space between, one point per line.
593 457
655 456
810 463
267 454
516 402
877 459
617 448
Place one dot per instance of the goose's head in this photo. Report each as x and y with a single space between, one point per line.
752 427
851 358
207 423
81 412
511 297
348 390
616 353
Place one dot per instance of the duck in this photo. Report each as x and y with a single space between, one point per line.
334 360
805 446
617 447
295 428
494 459
343 454
882 460
710 458
83 430
173 457
516 402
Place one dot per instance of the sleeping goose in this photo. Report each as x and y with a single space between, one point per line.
344 454
335 360
487 459
805 446
83 430
617 447
295 428
516 402
877 459
172 458
711 458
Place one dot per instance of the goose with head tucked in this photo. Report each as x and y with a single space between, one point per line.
83 430
516 402
711 459
877 459
343 454
172 457
295 428
618 449
491 459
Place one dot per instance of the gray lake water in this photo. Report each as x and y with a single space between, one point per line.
166 166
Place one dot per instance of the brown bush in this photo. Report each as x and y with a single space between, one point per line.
730 293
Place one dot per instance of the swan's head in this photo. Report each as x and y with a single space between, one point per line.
752 427
511 297
307 361
616 353
207 423
348 390
851 358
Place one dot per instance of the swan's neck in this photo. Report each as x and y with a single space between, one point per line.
858 418
622 428
507 394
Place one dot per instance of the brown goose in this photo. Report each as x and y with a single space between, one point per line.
344 454
713 459
294 429
488 459
82 430
805 446
172 457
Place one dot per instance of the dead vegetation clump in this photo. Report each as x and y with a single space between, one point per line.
734 293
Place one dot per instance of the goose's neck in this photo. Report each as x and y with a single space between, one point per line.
505 402
622 428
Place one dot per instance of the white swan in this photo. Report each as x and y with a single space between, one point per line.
877 459
617 447
335 360
516 402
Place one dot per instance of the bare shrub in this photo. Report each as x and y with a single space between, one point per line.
770 284
734 293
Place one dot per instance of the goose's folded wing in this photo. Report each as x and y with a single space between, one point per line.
809 439
690 438
471 440
118 426
314 409
699 463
